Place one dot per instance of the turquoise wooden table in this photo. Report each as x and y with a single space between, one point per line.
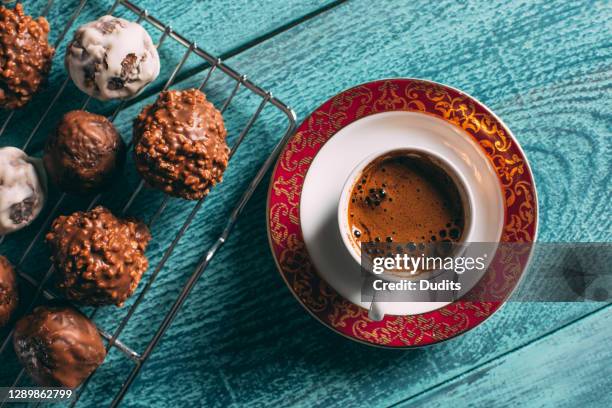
545 67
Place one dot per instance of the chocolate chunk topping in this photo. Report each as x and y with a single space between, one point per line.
25 56
179 144
9 295
22 212
108 26
116 83
99 258
128 64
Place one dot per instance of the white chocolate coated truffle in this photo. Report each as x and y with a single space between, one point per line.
112 58
22 189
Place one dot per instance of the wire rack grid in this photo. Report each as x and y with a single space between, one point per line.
214 64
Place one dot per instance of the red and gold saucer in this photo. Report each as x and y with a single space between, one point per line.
497 145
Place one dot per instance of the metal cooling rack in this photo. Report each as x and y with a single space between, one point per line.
214 64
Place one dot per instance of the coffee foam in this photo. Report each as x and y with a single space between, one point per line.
405 198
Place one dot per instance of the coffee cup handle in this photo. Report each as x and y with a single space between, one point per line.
375 313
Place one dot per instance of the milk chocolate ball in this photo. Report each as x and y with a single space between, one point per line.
25 56
23 188
9 295
179 144
99 258
84 154
112 58
58 346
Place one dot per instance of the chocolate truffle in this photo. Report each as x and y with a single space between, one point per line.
84 154
9 295
25 56
22 189
112 58
58 346
99 258
179 144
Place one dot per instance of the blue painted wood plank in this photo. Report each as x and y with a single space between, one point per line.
224 26
220 27
282 358
241 338
562 370
265 350
264 17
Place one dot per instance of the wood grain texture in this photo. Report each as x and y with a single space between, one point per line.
261 346
563 369
241 338
220 27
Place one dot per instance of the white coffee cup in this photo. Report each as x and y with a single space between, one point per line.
354 248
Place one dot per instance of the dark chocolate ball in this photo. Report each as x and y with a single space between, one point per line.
84 154
58 346
25 56
9 295
179 144
99 259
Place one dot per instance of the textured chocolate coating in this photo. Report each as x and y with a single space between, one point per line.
9 294
84 154
99 258
112 58
25 56
23 189
58 346
179 144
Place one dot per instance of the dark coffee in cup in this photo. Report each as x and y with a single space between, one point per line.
406 197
